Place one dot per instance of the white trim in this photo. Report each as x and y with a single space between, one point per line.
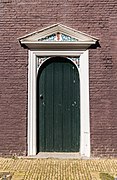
84 105
32 104
57 28
60 45
84 96
58 53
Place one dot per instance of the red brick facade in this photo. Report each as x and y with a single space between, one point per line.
96 18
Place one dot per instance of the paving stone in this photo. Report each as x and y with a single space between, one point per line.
57 169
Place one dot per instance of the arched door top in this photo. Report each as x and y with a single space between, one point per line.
42 60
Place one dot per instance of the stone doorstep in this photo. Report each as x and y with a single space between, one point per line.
56 155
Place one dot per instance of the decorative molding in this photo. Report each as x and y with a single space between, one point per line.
75 60
57 35
42 59
65 37
51 37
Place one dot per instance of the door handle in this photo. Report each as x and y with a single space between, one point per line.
41 96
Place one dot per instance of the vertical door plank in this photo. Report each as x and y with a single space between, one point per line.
41 112
48 105
57 106
66 107
75 110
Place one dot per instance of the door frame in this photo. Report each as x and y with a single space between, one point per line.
84 97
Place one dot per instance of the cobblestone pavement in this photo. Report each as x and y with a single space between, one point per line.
56 169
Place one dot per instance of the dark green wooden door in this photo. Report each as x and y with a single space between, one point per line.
59 107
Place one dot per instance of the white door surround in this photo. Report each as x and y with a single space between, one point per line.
59 40
84 98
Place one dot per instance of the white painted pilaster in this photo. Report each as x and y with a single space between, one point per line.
84 105
31 104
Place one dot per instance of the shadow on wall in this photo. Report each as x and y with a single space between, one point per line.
95 46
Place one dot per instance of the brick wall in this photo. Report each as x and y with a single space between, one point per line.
97 18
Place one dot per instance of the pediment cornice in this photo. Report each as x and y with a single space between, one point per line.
57 36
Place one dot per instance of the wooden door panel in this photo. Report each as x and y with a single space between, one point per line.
59 107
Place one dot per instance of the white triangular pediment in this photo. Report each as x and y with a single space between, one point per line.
57 34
